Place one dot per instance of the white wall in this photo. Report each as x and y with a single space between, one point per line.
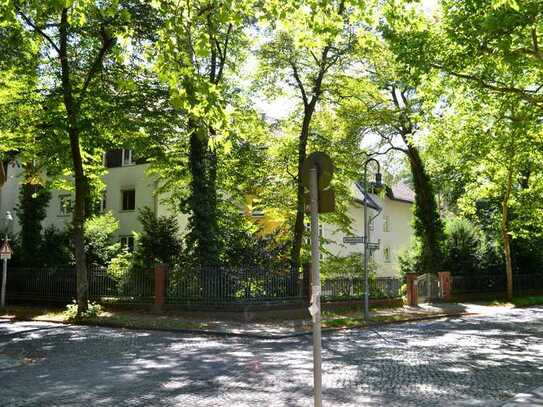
395 240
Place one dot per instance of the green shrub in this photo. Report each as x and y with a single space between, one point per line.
93 311
56 248
100 247
410 260
158 242
462 247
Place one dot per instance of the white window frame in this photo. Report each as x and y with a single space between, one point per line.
386 223
387 257
257 213
125 241
128 189
127 161
103 203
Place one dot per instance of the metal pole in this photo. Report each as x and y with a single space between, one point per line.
315 285
4 280
366 241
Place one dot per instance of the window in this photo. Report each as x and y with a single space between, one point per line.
386 254
386 223
129 200
127 242
128 159
372 225
257 209
66 205
103 203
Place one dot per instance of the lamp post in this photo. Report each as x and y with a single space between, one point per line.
377 185
7 219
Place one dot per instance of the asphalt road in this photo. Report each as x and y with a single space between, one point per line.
478 360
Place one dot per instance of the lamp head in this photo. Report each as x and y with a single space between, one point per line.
378 184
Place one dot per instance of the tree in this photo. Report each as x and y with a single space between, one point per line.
77 59
199 48
305 48
492 44
390 102
493 140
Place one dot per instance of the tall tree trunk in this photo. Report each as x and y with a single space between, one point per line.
77 166
506 237
427 223
299 227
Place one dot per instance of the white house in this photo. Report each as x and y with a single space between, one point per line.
129 188
391 217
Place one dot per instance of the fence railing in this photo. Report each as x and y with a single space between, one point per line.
345 287
59 285
218 285
490 283
212 286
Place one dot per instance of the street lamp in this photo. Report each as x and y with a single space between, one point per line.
377 186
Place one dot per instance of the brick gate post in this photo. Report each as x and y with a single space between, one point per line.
412 296
161 272
445 285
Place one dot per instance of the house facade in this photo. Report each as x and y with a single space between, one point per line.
129 188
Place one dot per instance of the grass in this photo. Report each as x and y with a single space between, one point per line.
359 322
124 319
527 301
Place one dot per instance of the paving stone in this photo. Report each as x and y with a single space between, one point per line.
482 360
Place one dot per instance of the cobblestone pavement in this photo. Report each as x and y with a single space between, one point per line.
478 360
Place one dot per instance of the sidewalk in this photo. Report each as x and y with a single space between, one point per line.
271 329
533 398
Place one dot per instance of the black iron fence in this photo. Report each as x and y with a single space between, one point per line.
212 286
58 284
219 285
496 283
346 287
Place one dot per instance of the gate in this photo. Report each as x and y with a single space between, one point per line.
427 288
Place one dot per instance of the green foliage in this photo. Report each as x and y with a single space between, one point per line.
410 260
72 313
31 211
244 246
99 233
158 242
463 247
56 248
120 266
347 266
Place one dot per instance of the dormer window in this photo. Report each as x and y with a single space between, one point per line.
128 158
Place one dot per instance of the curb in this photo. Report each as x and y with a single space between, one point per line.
224 334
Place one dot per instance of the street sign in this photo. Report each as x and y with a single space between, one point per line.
354 239
325 169
327 201
5 251
373 246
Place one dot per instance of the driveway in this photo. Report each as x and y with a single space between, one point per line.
477 360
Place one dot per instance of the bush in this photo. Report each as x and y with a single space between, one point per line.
410 260
463 251
93 311
56 248
99 245
158 242
351 266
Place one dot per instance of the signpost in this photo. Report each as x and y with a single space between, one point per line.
353 239
5 255
317 173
